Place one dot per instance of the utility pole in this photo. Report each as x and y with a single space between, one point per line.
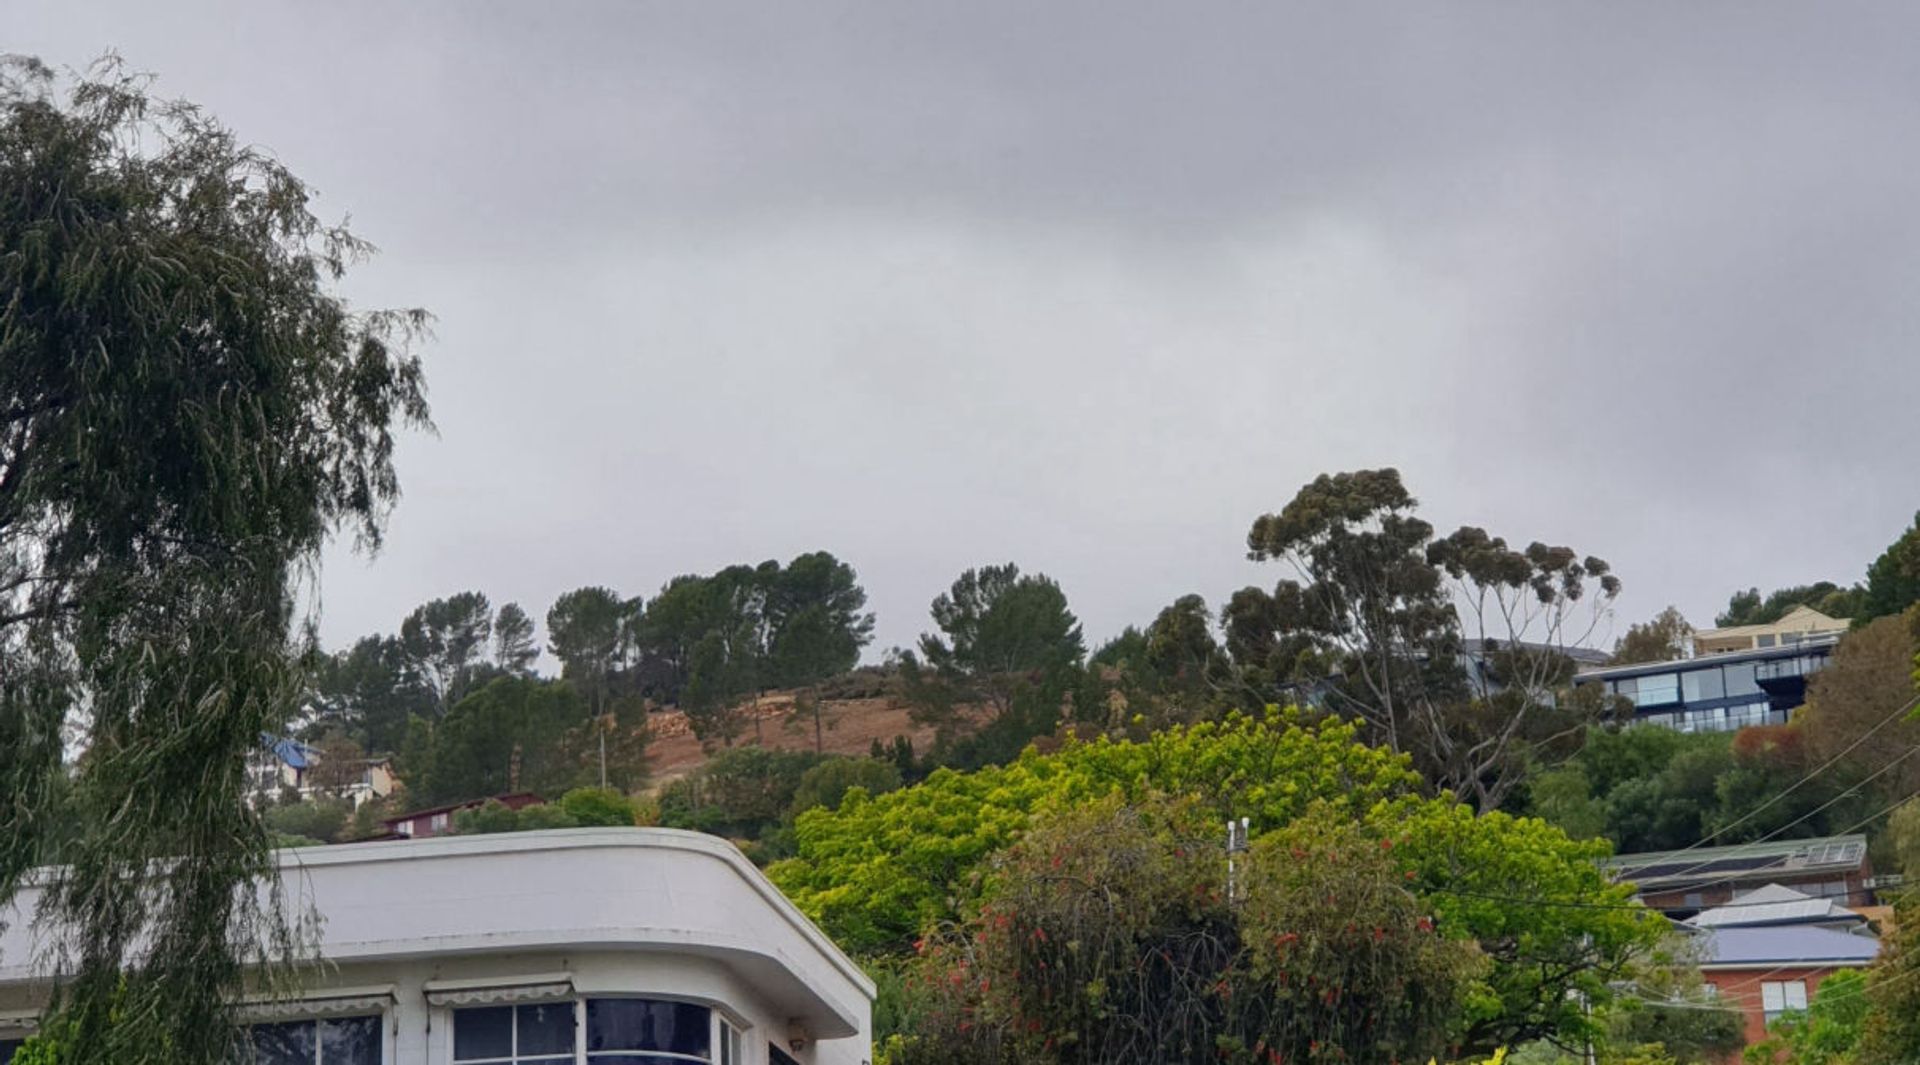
1236 846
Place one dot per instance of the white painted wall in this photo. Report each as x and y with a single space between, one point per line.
650 912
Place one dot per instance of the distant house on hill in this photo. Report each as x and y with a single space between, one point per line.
1768 950
1722 690
1686 881
438 820
282 764
1797 626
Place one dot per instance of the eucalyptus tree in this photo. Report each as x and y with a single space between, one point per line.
187 413
1452 649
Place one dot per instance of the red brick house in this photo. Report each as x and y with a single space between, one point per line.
1769 951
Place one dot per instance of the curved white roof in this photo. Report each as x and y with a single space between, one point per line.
586 889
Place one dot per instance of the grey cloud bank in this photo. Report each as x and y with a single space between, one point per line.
1089 287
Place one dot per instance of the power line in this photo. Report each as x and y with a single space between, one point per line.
1769 837
1803 781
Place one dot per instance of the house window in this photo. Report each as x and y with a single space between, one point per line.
597 1031
510 1035
1779 996
780 1057
1657 690
328 1041
7 1048
439 823
1699 685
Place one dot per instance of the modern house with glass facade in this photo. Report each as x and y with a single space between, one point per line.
1718 692
594 946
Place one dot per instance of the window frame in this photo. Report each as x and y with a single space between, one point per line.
383 1017
1772 991
725 1029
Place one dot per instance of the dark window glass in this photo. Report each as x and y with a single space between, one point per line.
290 1043
638 1024
780 1057
7 1047
546 1028
486 1032
350 1041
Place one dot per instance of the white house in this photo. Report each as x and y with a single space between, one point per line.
590 946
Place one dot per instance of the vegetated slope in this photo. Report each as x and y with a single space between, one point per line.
851 727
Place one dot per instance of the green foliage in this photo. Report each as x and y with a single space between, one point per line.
1749 608
1564 798
739 793
1663 639
543 815
1826 1034
445 641
324 820
512 724
1893 580
879 870
1903 837
1891 1032
593 632
827 784
599 806
187 412
370 690
1376 629
514 649
1102 940
1001 634
1650 789
492 816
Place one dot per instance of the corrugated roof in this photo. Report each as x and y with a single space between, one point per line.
1774 905
1742 861
1785 944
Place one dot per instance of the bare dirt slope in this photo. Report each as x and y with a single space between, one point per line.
851 726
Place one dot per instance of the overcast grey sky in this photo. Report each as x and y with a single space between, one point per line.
1089 286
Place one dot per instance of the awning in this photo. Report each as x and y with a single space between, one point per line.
332 1002
486 991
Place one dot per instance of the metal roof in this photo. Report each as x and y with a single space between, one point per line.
1743 861
1816 645
1774 905
1786 944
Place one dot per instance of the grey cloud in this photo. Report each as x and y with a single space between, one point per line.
1090 285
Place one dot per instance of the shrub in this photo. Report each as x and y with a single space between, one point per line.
598 806
323 821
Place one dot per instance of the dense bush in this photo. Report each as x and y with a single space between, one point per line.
324 820
827 783
1102 940
880 870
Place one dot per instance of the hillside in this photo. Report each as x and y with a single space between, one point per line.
851 727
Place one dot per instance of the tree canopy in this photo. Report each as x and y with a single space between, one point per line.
1449 648
879 871
187 412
